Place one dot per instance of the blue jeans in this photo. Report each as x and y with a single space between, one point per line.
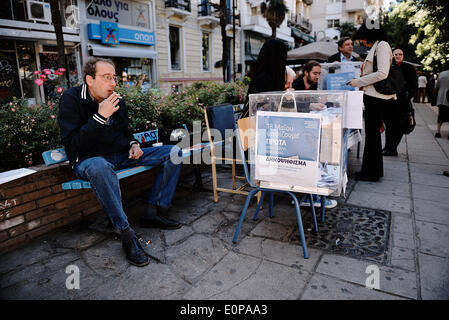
99 171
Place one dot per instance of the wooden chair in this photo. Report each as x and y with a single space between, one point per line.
222 128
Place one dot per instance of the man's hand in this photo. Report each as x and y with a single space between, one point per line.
135 152
352 83
109 105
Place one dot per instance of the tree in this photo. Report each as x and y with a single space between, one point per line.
274 11
421 26
347 29
57 24
222 13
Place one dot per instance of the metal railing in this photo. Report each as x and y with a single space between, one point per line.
178 4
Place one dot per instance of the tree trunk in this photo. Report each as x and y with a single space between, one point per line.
57 24
224 56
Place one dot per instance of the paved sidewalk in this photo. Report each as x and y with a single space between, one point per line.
199 261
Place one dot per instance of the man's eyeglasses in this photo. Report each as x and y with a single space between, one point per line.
109 77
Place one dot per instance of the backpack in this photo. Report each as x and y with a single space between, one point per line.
395 81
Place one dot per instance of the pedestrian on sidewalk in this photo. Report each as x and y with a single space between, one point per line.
403 105
93 120
422 83
375 103
431 90
442 101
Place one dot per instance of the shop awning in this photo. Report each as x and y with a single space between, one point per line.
126 52
298 34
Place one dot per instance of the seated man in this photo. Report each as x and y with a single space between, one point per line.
94 130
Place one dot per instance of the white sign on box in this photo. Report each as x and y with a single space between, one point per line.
287 148
353 110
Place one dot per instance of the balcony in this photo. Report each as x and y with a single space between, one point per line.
298 21
180 8
207 14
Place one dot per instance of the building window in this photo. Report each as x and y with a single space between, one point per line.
333 23
206 51
175 48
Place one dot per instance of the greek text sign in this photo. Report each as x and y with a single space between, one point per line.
287 148
128 13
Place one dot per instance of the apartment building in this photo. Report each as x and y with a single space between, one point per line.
298 19
190 43
327 15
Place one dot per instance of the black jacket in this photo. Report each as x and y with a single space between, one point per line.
337 57
410 76
262 83
85 133
298 84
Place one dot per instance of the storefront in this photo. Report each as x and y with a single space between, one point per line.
27 44
123 31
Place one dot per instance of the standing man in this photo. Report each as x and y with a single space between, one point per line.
311 72
393 132
345 48
422 83
94 130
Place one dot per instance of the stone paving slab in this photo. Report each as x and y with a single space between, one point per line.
431 238
323 287
434 279
436 180
431 211
284 253
422 168
383 202
244 277
392 280
387 187
436 194
403 258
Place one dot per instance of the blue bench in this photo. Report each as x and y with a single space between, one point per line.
59 155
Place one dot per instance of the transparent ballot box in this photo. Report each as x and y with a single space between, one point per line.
299 141
335 75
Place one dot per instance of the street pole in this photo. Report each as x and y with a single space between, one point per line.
233 40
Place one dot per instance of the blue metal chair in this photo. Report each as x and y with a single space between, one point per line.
226 115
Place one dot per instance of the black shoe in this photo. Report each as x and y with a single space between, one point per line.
359 176
160 223
437 135
390 153
446 173
134 252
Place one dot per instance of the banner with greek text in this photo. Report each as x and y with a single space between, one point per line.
287 148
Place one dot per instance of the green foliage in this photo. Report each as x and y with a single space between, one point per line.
421 26
274 11
27 131
347 29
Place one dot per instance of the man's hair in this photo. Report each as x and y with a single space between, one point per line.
309 66
397 48
90 67
289 71
342 40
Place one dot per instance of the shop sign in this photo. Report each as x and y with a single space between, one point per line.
111 33
123 12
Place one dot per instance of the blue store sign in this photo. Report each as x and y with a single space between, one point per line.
110 33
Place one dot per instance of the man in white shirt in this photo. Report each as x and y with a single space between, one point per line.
422 82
